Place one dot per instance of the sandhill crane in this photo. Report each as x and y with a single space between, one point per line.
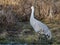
38 26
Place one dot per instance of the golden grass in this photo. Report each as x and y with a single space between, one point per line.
9 2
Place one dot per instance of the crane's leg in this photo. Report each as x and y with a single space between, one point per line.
42 39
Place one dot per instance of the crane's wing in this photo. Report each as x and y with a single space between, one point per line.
42 26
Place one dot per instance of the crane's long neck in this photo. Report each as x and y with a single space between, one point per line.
32 13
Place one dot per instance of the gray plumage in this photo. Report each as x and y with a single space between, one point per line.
39 26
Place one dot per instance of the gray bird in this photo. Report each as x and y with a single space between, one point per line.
38 26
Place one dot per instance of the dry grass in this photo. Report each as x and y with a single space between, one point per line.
21 9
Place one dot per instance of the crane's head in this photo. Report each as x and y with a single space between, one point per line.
32 7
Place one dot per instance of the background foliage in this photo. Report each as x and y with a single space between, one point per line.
14 19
